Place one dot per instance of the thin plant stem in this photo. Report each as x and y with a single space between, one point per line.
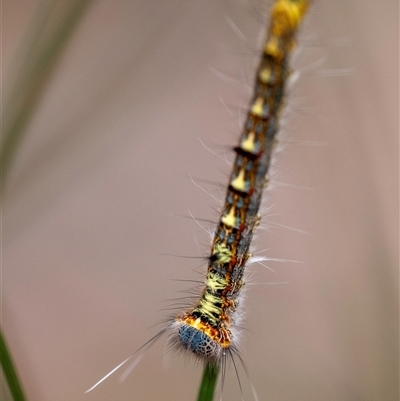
208 382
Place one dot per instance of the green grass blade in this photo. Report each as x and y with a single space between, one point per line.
46 38
9 372
49 33
208 382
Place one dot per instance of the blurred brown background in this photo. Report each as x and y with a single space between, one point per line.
94 200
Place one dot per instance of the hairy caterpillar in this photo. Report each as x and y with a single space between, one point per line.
207 329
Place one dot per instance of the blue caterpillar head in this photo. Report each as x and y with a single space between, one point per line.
198 342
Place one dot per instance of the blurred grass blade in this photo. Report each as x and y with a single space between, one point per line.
45 39
9 372
208 382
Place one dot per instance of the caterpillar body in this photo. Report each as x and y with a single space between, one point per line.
208 329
